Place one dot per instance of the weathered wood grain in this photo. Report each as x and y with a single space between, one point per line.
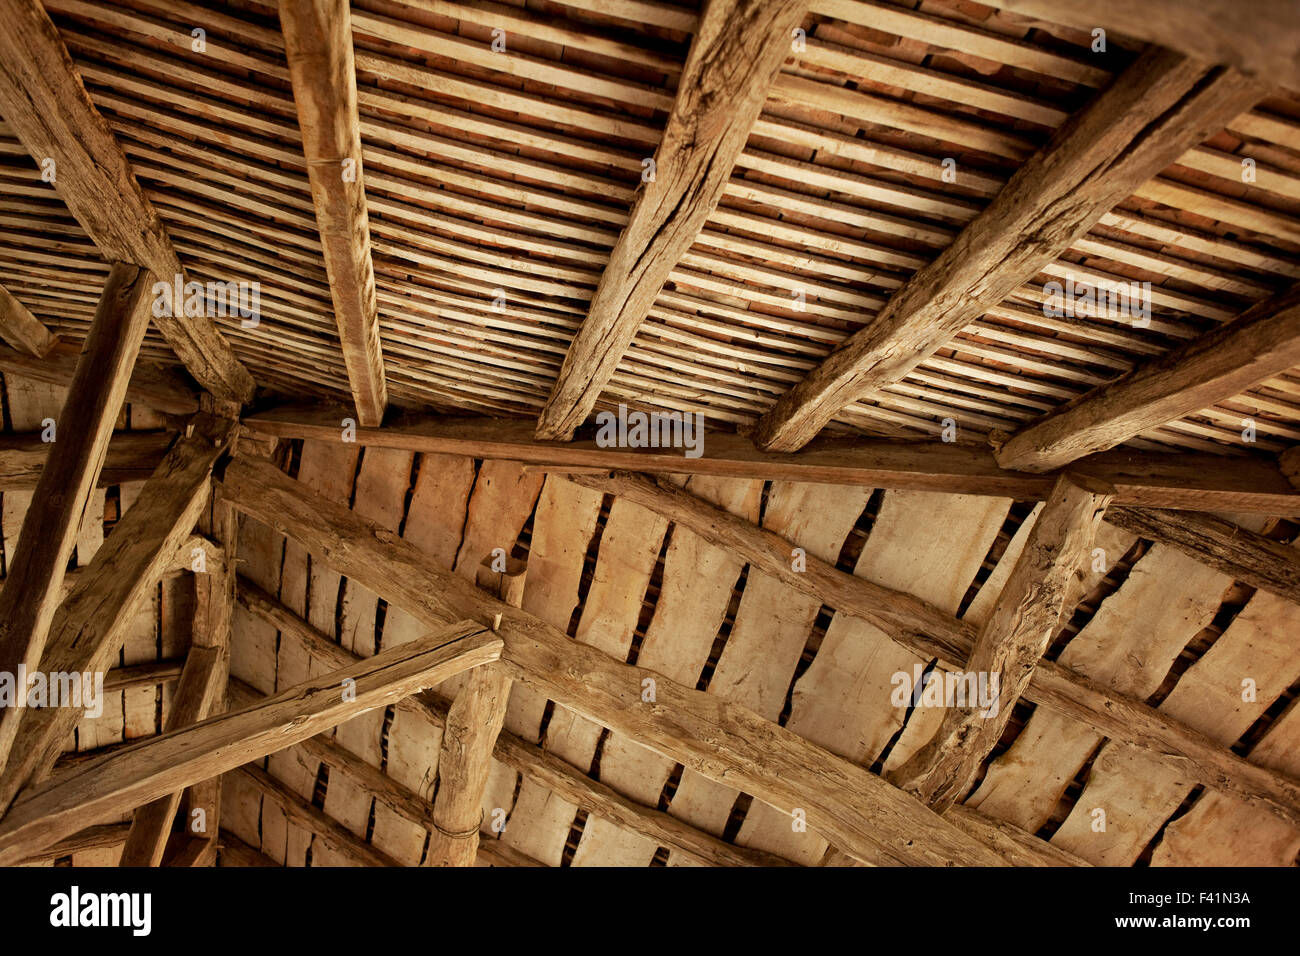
1226 361
146 771
737 50
318 46
21 329
1199 482
1146 119
1043 586
131 456
44 101
31 591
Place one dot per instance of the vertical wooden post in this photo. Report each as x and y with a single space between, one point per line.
473 723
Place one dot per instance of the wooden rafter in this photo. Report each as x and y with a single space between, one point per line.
863 814
43 99
1226 361
161 388
131 456
738 48
1260 37
318 45
1146 119
1192 481
1044 585
31 591
932 634
21 329
90 625
144 772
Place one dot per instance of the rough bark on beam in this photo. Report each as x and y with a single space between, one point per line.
1144 121
1044 583
318 46
31 591
854 808
1194 481
90 624
528 759
933 634
21 329
1240 553
154 385
738 48
1231 358
1259 37
468 738
132 456
42 98
200 686
325 828
171 761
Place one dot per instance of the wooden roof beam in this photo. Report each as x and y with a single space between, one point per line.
1186 481
318 45
852 807
527 758
43 99
157 386
139 774
131 456
21 329
1043 585
737 51
931 633
1258 37
90 624
1261 342
1155 111
31 592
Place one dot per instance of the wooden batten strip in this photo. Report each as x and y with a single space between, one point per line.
42 97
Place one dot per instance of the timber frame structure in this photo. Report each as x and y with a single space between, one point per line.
987 554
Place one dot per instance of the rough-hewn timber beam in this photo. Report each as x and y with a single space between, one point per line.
144 772
1260 37
469 736
1261 342
1194 481
132 456
90 624
933 634
43 99
1240 553
318 45
852 807
157 386
200 687
397 797
528 759
31 591
21 329
1043 585
738 49
1155 111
